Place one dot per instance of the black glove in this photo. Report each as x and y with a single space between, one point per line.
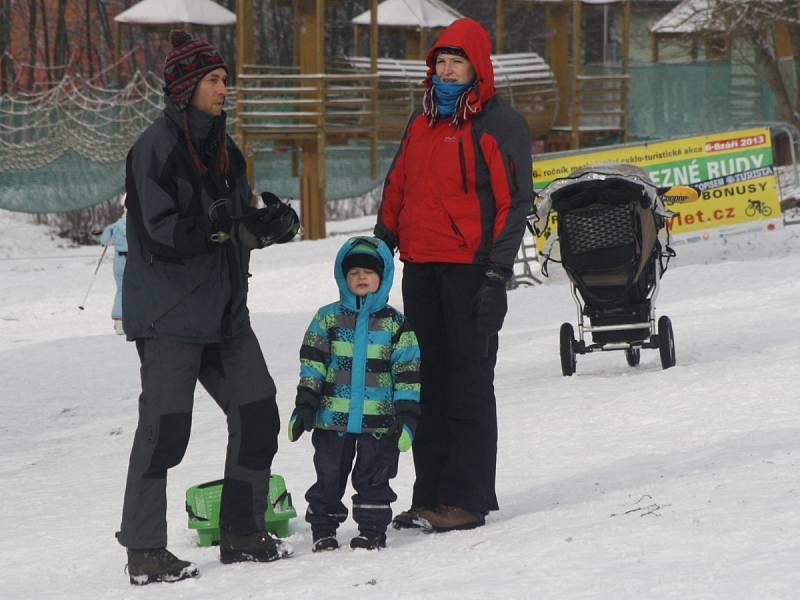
386 236
219 213
285 223
302 419
489 306
276 223
404 427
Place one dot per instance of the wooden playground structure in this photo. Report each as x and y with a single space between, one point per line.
316 103
594 104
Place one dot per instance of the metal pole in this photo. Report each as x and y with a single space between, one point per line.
96 269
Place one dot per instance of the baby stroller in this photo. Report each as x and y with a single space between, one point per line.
608 220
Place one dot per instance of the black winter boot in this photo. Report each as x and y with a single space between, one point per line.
158 564
258 546
368 540
324 539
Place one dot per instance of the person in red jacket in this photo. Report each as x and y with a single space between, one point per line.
455 202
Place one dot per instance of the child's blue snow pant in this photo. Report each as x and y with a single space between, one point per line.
376 463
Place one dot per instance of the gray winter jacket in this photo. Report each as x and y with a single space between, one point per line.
178 284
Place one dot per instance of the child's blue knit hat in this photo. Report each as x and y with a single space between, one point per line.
364 254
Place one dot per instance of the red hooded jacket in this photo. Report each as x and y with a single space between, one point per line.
461 193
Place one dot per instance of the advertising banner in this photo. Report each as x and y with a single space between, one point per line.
733 172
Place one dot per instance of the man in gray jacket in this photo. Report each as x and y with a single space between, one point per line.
190 232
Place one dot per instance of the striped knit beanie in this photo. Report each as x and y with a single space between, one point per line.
189 61
365 255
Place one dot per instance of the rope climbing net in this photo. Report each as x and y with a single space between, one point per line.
99 124
64 149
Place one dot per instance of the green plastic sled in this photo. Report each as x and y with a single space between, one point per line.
202 505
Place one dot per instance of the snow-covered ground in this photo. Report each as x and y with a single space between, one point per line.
617 483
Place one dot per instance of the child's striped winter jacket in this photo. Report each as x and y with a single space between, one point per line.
359 358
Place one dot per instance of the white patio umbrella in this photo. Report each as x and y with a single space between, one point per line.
424 14
166 12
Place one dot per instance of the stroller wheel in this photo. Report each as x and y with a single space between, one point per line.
666 343
567 337
632 355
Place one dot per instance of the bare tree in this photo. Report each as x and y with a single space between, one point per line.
61 52
759 26
106 40
6 65
32 44
46 38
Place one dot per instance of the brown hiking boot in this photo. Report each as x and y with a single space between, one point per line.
410 518
450 518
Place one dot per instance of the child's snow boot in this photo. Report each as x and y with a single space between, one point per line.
158 564
324 539
368 540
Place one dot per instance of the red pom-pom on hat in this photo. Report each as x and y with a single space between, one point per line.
179 37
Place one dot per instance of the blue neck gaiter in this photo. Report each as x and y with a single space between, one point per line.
446 94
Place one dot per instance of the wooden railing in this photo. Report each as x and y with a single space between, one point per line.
522 79
281 105
599 108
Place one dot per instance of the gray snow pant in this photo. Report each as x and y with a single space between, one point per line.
235 375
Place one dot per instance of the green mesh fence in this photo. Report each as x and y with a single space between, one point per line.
668 100
71 182
64 149
347 170
68 183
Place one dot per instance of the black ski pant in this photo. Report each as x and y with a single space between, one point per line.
376 463
455 446
235 375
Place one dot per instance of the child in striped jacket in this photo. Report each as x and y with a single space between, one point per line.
359 391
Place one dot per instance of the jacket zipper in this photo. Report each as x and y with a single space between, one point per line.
457 231
513 168
463 162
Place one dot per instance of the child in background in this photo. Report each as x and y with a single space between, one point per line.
359 391
115 234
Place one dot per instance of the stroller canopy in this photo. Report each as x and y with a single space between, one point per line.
608 217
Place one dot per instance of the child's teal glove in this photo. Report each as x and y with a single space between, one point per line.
402 431
302 419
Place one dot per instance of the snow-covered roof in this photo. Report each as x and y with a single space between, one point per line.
570 1
426 14
690 16
166 12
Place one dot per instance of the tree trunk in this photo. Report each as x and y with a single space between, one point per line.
47 61
794 34
33 42
107 37
60 56
89 52
263 31
768 59
5 40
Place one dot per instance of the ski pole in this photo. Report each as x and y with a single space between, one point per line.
96 269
